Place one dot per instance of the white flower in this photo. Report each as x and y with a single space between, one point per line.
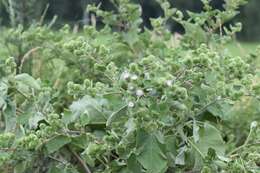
131 87
253 125
169 83
131 104
219 98
125 75
139 92
134 77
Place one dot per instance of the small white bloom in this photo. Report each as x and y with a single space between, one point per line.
253 125
134 77
219 98
131 88
169 83
149 89
131 104
125 76
139 92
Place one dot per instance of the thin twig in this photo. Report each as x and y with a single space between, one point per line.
208 105
196 148
79 159
241 147
8 149
44 14
57 160
26 56
24 95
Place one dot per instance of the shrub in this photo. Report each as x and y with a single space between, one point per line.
124 100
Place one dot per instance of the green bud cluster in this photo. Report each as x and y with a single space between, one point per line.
30 142
6 140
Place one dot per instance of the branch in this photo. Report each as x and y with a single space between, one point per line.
26 56
208 105
79 159
44 14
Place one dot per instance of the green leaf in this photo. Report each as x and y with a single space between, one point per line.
81 141
150 151
60 169
171 148
54 144
20 167
133 166
9 113
33 121
220 109
194 32
67 117
89 110
27 80
116 115
210 137
55 170
2 102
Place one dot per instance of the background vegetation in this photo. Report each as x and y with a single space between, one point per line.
104 94
74 12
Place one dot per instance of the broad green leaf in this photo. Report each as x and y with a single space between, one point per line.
9 113
67 117
133 166
81 141
27 80
21 167
150 152
89 110
116 115
55 143
210 137
171 148
33 121
220 109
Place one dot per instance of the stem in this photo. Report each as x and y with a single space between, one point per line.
196 148
79 159
208 105
26 56
44 14
245 143
57 160
24 95
11 13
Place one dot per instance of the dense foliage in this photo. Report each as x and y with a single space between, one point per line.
126 100
73 12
